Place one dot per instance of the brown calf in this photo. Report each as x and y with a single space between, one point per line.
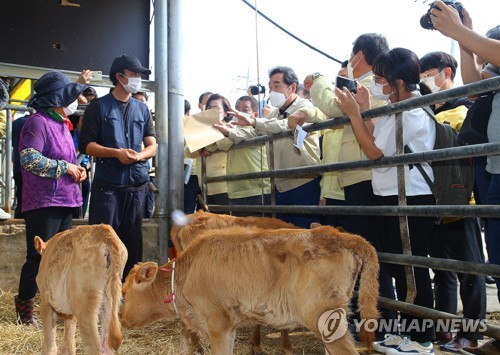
80 279
201 222
237 276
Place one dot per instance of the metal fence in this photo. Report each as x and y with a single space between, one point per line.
406 259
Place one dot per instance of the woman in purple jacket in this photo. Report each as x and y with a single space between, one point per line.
50 175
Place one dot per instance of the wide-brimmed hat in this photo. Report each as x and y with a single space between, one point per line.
54 89
127 62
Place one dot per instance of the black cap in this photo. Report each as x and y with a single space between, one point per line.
127 62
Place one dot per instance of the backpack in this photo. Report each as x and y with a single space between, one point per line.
454 178
475 125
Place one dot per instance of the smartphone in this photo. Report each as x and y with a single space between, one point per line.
96 75
343 82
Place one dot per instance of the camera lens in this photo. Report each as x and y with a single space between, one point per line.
258 89
426 22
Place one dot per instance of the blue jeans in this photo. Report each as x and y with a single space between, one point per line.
493 235
307 194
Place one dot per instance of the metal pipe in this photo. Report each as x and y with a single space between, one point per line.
423 312
426 100
8 163
176 107
412 158
161 126
464 267
491 211
404 232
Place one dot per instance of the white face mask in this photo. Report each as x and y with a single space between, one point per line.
71 108
377 91
350 68
430 82
134 84
277 99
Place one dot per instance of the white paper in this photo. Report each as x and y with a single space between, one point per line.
199 131
299 136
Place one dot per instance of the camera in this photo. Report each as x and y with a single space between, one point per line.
343 82
425 20
257 89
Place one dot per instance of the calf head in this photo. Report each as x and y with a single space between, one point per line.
144 294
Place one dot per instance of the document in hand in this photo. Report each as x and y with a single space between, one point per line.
199 131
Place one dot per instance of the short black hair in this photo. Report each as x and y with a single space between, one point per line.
141 93
438 60
253 101
289 75
398 64
372 44
225 102
200 99
187 106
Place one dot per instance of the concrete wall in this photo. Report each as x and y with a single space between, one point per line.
13 251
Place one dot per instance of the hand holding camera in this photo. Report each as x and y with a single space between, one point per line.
439 11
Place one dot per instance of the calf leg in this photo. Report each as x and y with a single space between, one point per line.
222 342
190 341
87 313
49 321
286 346
221 333
344 345
255 341
105 319
68 345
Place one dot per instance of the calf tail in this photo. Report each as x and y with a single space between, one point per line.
368 294
113 294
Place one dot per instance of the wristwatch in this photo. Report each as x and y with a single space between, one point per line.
314 76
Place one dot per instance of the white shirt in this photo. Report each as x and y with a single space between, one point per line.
419 133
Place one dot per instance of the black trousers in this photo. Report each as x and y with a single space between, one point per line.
191 190
420 230
124 211
18 181
459 240
45 223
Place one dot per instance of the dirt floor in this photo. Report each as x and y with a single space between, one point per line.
161 338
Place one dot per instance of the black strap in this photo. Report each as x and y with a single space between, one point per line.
420 169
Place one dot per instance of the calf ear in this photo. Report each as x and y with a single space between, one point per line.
40 245
147 272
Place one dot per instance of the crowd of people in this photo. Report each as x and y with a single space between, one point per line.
117 131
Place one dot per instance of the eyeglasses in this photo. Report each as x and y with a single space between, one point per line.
380 80
430 74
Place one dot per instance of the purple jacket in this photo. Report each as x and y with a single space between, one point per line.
53 140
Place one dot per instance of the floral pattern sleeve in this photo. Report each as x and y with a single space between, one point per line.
34 162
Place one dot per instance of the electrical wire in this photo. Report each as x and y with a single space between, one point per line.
292 35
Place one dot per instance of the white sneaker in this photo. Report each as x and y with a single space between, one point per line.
391 341
411 347
4 215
